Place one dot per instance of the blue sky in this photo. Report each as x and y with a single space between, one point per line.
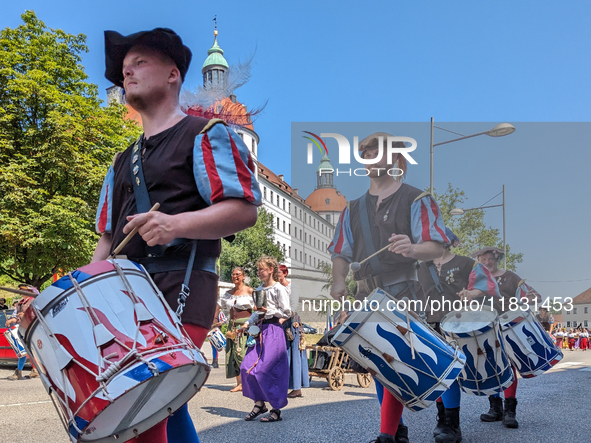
401 61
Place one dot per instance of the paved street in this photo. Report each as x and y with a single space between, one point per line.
550 409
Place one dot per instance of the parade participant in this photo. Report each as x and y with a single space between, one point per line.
445 280
559 338
239 302
264 370
389 212
219 320
19 311
3 304
199 171
508 283
571 340
584 335
546 319
299 376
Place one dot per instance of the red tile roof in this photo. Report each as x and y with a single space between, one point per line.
274 178
583 297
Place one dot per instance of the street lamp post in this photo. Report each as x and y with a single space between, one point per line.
461 211
500 130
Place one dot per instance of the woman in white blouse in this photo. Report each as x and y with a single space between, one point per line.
239 302
265 375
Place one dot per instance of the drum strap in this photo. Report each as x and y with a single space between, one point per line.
435 278
185 291
374 262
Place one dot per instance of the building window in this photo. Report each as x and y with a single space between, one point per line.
284 204
586 324
300 214
277 200
296 254
305 258
289 231
568 324
314 241
305 237
575 311
328 218
284 226
265 192
300 255
290 251
271 197
567 312
252 144
300 234
277 222
586 310
314 261
289 206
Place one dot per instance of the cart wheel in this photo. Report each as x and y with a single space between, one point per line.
364 380
336 378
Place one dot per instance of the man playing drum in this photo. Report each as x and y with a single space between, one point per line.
394 213
508 283
199 171
445 280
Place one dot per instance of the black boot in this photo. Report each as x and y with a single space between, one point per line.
383 438
401 434
509 418
495 413
440 419
214 363
451 432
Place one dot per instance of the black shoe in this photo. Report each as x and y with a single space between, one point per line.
214 363
401 434
440 419
452 432
383 438
495 413
509 419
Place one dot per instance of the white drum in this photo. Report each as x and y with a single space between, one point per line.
111 353
16 344
529 346
217 339
401 351
488 370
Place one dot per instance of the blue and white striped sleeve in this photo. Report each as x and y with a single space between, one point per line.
426 221
342 243
223 167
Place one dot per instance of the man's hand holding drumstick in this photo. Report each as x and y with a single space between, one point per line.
156 228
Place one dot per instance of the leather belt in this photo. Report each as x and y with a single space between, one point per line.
155 265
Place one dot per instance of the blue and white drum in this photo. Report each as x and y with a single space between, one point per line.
217 339
16 343
477 333
401 351
529 346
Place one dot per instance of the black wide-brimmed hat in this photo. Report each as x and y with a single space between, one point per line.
163 39
498 253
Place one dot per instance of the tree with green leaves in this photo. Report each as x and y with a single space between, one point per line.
248 247
56 143
470 227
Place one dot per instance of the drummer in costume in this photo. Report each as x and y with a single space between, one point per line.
199 171
508 283
452 278
239 302
265 370
399 214
19 312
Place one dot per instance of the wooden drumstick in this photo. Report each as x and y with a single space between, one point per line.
356 266
131 234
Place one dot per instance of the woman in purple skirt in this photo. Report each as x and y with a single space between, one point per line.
265 370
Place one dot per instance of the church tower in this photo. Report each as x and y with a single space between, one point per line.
215 68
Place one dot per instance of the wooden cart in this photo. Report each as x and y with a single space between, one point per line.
338 366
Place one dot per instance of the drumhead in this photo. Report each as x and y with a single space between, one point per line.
514 316
467 321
